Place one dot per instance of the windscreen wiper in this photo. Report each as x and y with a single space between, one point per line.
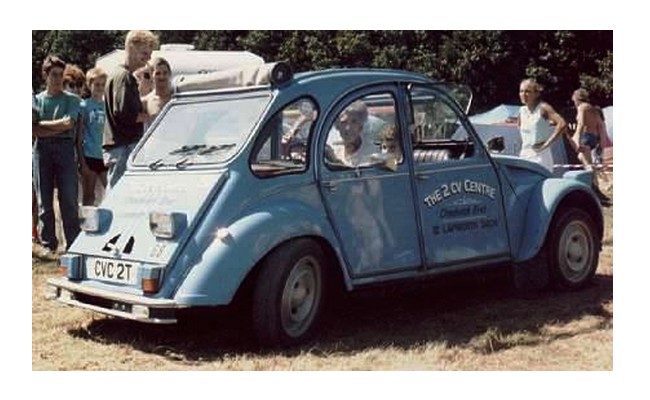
185 149
214 148
201 149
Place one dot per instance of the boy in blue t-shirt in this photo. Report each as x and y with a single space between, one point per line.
93 117
54 155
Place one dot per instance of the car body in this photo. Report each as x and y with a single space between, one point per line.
234 193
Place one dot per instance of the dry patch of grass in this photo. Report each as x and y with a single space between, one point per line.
466 323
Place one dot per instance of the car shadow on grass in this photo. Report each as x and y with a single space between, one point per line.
475 311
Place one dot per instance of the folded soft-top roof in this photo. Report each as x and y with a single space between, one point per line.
184 60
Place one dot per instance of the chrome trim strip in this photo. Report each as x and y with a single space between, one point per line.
116 313
424 168
335 179
109 295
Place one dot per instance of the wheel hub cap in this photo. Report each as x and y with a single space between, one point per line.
301 296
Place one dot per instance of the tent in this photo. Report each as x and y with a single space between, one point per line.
609 121
502 121
504 113
499 121
608 152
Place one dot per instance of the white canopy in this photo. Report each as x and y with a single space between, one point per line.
501 114
609 121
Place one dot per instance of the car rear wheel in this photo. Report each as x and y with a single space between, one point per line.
288 294
574 249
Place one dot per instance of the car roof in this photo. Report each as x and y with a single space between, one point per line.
324 86
366 75
336 80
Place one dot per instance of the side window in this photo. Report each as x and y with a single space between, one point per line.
437 132
366 128
282 146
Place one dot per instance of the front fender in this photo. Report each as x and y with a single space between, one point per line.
226 262
544 201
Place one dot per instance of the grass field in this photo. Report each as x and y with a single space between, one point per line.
464 323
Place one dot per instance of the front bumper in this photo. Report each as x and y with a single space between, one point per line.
122 305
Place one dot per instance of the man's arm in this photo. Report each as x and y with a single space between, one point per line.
559 122
44 129
580 121
581 124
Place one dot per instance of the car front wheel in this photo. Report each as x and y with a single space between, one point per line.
288 294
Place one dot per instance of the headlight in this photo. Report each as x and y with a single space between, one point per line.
166 225
93 219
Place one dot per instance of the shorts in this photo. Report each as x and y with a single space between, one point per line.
589 139
96 165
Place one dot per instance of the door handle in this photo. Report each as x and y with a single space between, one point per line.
331 186
421 177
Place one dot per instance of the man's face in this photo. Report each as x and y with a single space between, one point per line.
139 55
161 76
54 80
349 126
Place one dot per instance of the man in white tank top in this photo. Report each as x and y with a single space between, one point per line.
539 125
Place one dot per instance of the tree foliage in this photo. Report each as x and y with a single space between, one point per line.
492 63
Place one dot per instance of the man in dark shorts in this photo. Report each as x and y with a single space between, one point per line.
590 134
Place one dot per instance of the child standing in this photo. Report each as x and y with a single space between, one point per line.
94 116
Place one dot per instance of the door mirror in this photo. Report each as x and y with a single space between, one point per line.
496 144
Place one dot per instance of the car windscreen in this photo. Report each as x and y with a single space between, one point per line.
202 131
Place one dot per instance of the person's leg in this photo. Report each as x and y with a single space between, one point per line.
34 214
102 178
34 202
44 181
88 182
67 183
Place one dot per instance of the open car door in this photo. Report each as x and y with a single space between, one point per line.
460 93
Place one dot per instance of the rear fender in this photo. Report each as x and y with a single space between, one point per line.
547 197
226 262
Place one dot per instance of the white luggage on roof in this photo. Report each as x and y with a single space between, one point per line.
184 60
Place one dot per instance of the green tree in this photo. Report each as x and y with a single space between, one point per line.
479 59
492 63
75 47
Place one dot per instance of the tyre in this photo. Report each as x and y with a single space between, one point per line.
288 293
574 246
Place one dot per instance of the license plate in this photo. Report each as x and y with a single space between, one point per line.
109 270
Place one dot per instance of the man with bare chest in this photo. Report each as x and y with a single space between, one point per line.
591 132
154 102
